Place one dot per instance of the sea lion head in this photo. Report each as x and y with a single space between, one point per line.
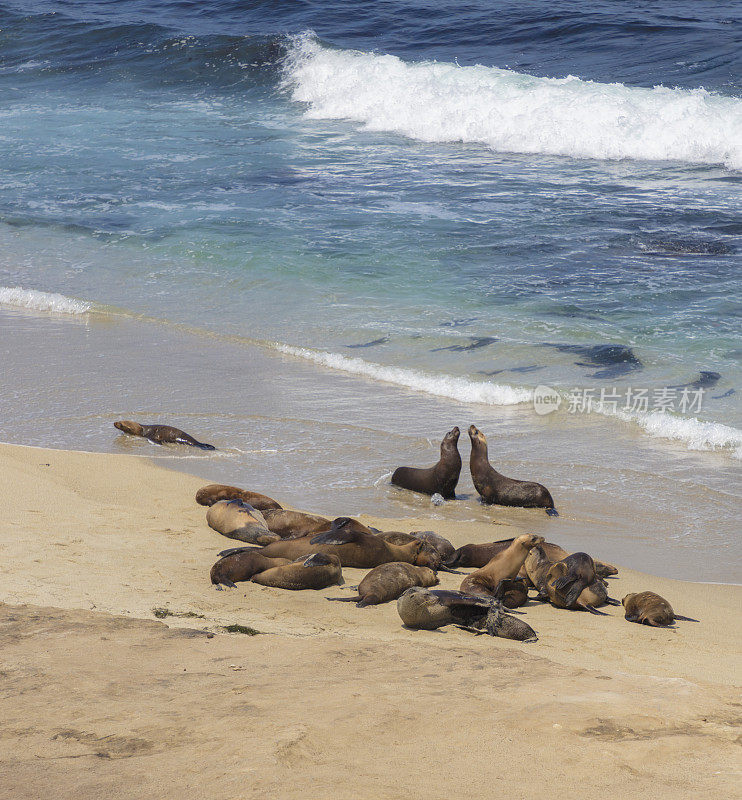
529 540
476 435
452 437
127 426
427 556
628 597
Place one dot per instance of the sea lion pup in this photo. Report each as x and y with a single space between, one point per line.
387 582
496 488
440 479
504 565
294 524
160 434
648 608
568 579
315 571
208 495
512 592
443 546
241 565
238 520
429 609
355 548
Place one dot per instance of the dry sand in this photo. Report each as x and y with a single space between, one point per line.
99 699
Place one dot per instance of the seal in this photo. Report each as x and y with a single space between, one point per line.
294 524
496 488
355 548
512 592
241 565
236 519
208 495
315 571
542 557
160 434
387 582
567 579
648 608
429 609
503 566
443 546
477 555
440 479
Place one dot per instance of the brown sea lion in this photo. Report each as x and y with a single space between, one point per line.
512 592
238 520
241 565
355 548
537 566
208 495
440 543
429 609
496 488
440 479
507 564
387 582
160 434
648 608
477 555
315 571
568 578
294 524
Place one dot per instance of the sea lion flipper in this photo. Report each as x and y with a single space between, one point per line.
475 631
612 602
594 610
552 512
226 582
153 441
315 560
337 537
686 619
353 599
232 550
632 618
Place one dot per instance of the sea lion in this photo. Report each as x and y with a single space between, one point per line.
160 434
238 520
429 609
477 555
541 558
208 495
496 488
567 579
241 565
443 546
355 548
294 524
315 571
440 479
387 582
512 592
648 608
504 565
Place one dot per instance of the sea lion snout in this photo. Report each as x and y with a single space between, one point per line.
454 433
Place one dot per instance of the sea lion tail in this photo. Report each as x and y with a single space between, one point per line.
686 619
552 512
354 599
204 446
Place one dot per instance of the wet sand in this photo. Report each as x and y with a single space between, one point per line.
100 698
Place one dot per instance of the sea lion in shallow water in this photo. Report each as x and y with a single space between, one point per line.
439 479
160 434
214 492
496 488
355 548
241 565
429 609
648 608
236 519
387 582
315 571
504 565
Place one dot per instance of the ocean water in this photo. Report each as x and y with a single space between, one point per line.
321 234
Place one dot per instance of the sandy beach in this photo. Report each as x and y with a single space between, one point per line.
102 698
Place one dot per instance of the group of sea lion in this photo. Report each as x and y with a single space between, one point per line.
492 486
295 550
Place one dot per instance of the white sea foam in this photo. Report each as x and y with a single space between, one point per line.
42 301
512 112
460 389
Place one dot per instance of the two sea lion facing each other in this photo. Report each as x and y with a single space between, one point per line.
429 609
315 571
439 479
495 488
160 434
214 492
648 608
235 519
504 566
388 581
